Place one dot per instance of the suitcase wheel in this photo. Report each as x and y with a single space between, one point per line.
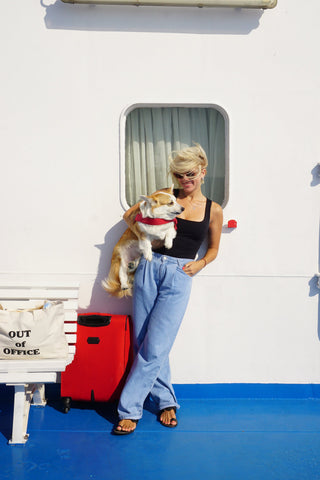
66 404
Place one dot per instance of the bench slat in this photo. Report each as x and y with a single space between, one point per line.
70 327
44 365
71 316
18 294
30 377
71 338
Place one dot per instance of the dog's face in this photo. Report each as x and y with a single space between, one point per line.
160 205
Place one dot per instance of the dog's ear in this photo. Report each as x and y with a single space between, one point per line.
145 205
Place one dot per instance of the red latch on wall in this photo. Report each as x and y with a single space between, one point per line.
232 224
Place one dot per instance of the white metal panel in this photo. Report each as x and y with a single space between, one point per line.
177 3
261 67
249 331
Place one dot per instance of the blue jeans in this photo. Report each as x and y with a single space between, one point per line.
160 297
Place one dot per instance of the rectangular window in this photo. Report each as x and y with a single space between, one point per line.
151 133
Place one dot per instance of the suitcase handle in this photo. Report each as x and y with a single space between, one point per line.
94 320
93 340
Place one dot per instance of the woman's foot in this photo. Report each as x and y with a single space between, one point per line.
125 427
167 417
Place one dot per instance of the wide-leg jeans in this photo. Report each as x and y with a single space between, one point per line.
160 297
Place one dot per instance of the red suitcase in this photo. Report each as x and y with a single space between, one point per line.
102 360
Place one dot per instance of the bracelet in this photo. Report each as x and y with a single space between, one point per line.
205 262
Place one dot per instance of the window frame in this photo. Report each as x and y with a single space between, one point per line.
122 146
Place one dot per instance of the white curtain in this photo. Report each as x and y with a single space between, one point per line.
153 133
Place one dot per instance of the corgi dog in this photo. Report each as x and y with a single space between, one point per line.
154 219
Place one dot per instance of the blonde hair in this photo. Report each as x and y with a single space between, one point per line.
188 159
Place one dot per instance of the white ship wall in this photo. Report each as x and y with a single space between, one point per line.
67 74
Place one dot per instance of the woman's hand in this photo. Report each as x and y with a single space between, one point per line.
192 268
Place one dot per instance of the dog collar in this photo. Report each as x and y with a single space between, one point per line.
154 221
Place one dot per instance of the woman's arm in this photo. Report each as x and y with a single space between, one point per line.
214 235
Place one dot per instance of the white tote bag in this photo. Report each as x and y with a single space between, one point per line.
34 333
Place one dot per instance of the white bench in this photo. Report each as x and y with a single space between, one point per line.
29 376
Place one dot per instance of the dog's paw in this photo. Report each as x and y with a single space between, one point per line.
147 252
148 256
132 266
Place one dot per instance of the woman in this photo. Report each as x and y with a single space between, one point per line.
161 293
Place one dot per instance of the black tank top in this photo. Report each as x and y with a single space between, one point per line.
190 235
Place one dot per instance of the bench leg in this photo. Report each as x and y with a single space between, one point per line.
22 400
38 398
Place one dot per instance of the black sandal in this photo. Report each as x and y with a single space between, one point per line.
173 419
115 431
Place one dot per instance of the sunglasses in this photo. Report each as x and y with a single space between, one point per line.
188 175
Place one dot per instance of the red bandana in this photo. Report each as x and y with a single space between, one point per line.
154 221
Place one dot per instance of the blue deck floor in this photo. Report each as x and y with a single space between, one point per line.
216 438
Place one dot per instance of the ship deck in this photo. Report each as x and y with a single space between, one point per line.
217 438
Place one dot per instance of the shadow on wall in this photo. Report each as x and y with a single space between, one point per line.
314 285
315 172
318 284
122 18
100 300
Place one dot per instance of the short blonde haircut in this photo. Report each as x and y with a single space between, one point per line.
188 159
